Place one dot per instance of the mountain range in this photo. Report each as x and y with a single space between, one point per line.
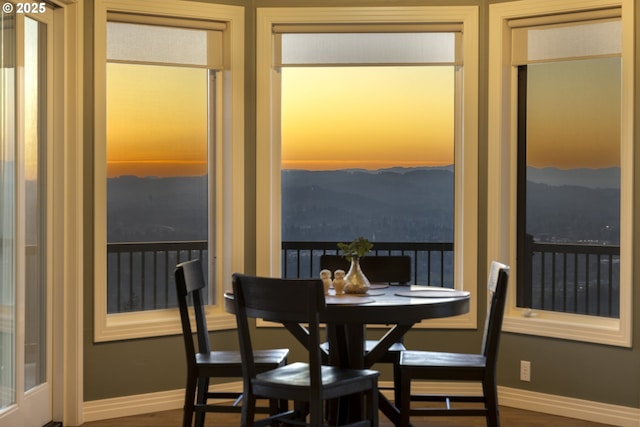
581 177
396 204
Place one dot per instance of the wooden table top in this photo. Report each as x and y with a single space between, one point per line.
389 305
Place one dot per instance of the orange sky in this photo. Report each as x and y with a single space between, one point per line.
570 127
354 117
375 117
157 121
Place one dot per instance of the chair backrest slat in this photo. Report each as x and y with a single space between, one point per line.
377 268
190 284
497 288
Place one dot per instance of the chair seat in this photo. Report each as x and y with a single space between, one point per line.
427 359
233 361
295 376
369 344
395 347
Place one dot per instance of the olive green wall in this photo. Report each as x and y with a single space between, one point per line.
579 370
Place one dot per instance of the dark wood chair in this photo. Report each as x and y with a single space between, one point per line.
308 384
389 269
440 366
204 363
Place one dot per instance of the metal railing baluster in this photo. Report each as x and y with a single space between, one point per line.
303 259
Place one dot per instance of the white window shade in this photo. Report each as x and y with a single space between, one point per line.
154 44
403 48
567 41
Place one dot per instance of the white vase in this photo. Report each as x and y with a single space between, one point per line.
355 281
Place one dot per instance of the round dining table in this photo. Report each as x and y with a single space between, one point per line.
397 307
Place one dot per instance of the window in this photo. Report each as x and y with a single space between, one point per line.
168 169
27 193
387 171
431 40
560 169
8 195
569 202
354 163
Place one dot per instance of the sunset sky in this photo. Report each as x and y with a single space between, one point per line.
574 114
157 120
374 117
356 117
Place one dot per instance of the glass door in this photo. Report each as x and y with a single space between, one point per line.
25 283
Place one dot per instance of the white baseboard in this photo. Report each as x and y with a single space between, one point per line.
545 403
569 407
521 399
126 406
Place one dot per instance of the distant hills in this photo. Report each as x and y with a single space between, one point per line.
156 209
386 205
590 178
396 204
573 213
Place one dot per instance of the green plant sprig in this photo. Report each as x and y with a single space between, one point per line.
359 247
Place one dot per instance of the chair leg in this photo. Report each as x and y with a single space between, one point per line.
189 396
332 407
372 406
282 406
405 394
301 409
202 390
248 412
277 407
397 383
316 413
491 401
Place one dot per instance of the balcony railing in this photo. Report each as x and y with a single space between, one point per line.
140 275
571 278
581 279
432 263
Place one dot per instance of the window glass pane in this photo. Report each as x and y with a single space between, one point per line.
153 43
573 186
157 173
368 48
7 208
369 151
35 197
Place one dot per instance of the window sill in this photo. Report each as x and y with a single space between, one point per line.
125 326
568 326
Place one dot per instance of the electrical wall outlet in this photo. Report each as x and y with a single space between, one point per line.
525 370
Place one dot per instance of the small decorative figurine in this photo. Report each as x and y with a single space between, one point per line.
338 281
325 275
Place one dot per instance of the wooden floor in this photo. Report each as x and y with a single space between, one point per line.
509 417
